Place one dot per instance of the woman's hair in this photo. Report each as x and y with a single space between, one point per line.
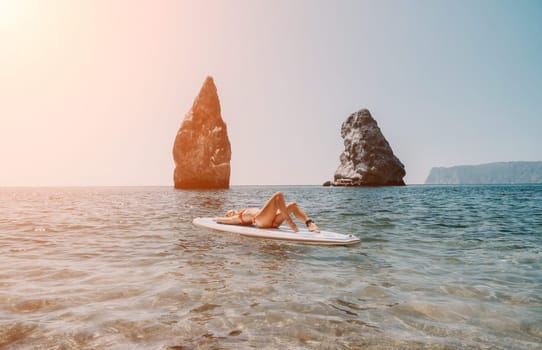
231 213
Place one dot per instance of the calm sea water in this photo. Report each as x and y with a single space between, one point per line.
439 267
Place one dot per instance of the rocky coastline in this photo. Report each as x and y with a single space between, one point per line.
491 173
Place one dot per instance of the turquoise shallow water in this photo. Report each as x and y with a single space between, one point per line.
439 267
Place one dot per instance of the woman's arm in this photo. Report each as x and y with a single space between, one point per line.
231 220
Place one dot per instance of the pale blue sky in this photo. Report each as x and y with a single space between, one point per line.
93 93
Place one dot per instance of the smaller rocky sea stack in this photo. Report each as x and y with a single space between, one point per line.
367 159
202 150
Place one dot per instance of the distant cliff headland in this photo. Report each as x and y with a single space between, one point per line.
491 173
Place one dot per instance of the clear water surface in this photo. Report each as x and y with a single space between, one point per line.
439 267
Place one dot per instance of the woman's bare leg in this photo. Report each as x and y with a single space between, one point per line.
269 215
293 208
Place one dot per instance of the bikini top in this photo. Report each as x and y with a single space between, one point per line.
243 222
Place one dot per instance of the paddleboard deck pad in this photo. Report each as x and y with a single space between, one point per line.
282 233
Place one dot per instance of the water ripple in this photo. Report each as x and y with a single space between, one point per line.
439 267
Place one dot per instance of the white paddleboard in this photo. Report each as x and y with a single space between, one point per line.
282 233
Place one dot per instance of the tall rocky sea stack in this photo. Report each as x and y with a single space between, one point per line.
367 159
202 150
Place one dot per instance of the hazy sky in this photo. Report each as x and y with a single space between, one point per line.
93 92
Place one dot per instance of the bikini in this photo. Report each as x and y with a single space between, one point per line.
243 222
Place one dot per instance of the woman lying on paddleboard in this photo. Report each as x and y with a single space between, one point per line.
271 215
